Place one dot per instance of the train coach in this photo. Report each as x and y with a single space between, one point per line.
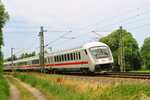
90 57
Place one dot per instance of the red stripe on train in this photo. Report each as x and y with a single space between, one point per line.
61 64
73 63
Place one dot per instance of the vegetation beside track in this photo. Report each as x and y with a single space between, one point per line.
64 89
4 89
141 71
25 94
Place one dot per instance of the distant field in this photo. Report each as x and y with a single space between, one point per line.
4 89
141 71
64 89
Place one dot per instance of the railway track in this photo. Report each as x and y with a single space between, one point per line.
110 77
133 75
129 75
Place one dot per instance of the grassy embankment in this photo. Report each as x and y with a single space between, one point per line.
64 89
25 94
4 89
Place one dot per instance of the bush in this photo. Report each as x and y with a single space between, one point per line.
4 89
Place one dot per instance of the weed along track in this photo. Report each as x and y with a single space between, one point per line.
26 92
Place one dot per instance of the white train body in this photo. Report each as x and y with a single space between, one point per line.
90 57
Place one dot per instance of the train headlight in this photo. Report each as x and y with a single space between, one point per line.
110 58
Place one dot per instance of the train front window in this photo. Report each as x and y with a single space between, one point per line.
100 52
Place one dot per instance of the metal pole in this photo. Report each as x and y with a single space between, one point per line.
41 56
121 58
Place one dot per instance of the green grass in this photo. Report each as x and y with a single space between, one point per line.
58 89
126 92
4 89
141 71
25 94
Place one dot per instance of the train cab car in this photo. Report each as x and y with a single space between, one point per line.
101 57
90 57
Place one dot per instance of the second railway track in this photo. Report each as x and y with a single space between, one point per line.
127 75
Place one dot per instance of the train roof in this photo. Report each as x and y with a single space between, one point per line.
83 46
22 60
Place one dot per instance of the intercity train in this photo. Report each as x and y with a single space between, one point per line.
90 57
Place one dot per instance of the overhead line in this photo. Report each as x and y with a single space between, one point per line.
116 16
127 19
57 39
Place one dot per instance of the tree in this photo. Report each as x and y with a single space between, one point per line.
23 55
145 53
26 55
3 18
132 55
10 58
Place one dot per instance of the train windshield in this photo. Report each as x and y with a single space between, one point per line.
100 52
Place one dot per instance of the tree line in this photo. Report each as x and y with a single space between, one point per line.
23 55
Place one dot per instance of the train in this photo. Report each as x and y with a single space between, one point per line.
90 57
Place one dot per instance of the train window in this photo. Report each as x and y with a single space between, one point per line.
76 55
65 57
100 52
79 55
60 58
85 51
71 56
68 57
22 63
35 61
55 58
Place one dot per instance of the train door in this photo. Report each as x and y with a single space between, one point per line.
79 59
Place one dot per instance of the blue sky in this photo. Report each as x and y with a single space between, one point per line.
79 16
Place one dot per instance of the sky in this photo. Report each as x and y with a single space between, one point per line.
81 17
